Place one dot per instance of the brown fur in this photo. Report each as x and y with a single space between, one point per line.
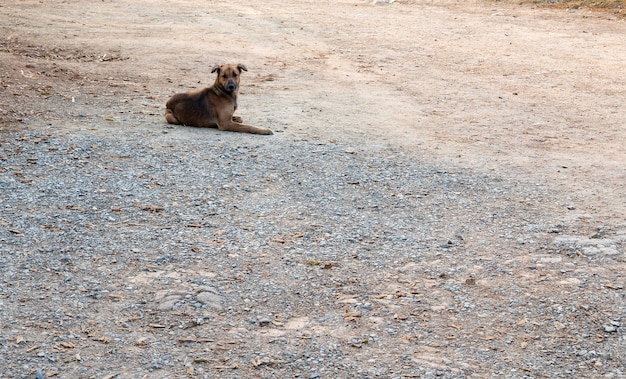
214 106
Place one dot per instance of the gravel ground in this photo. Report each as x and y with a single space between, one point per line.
131 249
159 254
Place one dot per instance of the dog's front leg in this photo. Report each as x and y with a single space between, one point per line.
228 124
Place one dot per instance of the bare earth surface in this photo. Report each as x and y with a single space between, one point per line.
444 194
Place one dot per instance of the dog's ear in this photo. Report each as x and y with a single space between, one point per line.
216 68
241 68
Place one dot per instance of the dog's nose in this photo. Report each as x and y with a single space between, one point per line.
231 85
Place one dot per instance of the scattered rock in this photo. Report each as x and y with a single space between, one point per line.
609 328
210 299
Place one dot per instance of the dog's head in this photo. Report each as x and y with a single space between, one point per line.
228 76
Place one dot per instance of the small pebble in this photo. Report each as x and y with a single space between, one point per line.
609 328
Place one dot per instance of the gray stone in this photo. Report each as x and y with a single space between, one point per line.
609 328
167 305
210 299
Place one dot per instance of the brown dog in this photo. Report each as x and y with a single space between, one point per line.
213 106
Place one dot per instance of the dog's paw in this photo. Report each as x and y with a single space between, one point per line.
237 119
267 132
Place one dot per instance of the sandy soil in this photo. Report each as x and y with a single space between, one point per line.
526 95
531 92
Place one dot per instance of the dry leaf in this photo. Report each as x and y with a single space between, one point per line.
262 361
67 345
225 367
382 296
103 339
74 208
352 316
151 208
559 325
141 342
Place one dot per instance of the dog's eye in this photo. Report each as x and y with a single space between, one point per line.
234 75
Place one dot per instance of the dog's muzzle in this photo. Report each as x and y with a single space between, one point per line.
231 85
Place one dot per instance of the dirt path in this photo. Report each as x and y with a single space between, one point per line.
526 106
485 86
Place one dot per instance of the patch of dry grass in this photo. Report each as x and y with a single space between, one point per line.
614 6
